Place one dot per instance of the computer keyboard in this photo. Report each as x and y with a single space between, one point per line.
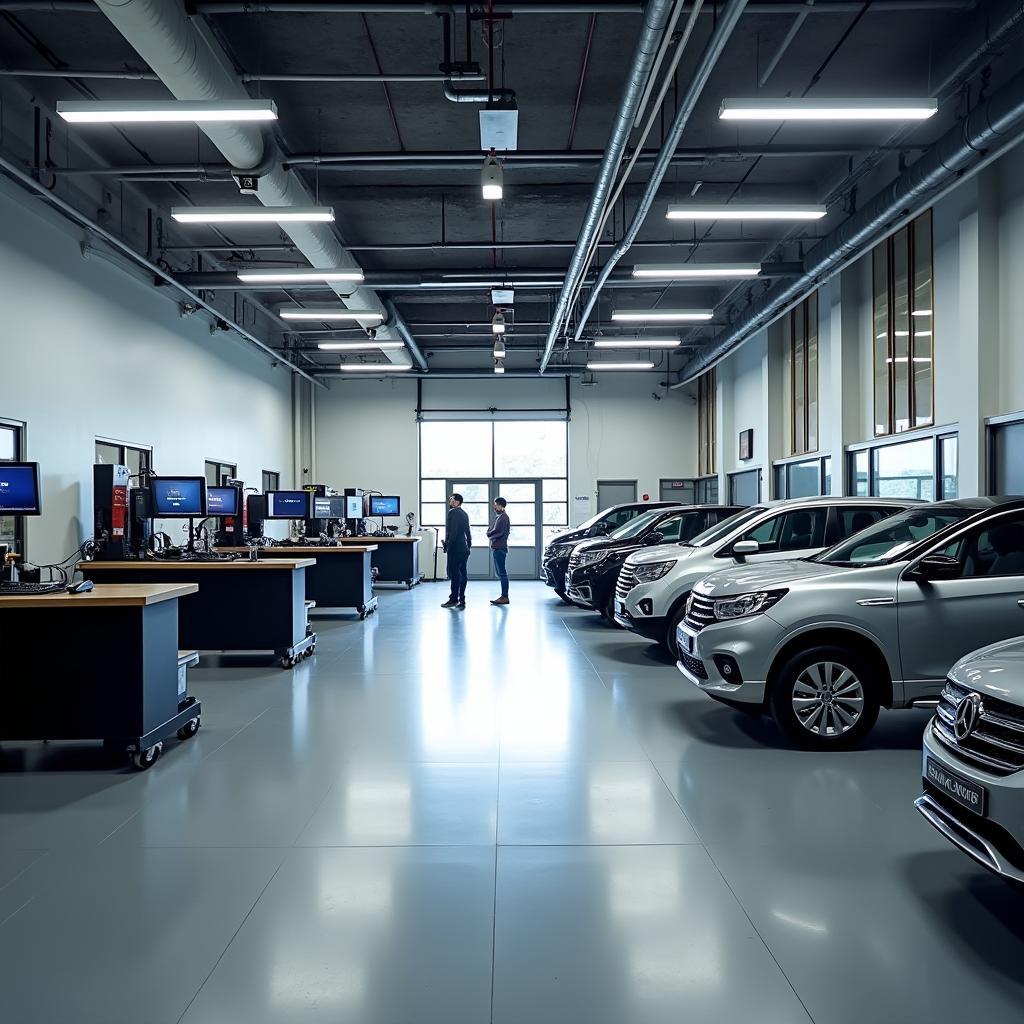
8 589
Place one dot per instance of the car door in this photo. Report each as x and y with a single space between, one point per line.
942 620
792 533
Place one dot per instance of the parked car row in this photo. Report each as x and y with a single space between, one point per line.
822 611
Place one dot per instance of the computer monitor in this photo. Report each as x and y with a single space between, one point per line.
353 506
222 501
385 505
19 489
328 508
288 504
178 497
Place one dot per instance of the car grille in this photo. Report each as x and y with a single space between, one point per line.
693 665
701 613
626 582
996 743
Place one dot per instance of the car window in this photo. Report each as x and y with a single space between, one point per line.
670 529
722 529
889 539
846 522
635 525
620 516
693 524
794 530
996 549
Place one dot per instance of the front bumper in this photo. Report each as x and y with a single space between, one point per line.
995 839
591 585
553 572
743 647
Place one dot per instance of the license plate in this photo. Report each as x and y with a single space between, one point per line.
966 793
684 641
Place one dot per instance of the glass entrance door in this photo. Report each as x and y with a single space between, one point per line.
524 542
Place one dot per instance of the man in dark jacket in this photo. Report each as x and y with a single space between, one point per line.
498 536
458 542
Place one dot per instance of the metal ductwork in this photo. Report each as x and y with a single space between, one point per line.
994 122
192 66
507 96
656 15
716 45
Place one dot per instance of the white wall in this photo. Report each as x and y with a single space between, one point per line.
742 391
88 350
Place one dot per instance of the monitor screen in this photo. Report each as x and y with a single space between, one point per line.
353 506
222 501
288 504
385 505
328 508
19 489
178 497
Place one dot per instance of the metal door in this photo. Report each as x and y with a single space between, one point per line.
615 492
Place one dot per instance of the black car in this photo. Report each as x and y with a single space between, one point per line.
594 564
556 553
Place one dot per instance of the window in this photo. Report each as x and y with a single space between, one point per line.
12 528
138 458
845 522
925 468
271 480
745 487
217 471
805 479
798 530
800 381
705 490
706 429
996 549
903 326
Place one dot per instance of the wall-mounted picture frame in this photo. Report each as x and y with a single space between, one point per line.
746 444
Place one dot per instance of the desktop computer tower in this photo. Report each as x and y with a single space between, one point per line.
314 527
110 512
231 529
255 513
140 520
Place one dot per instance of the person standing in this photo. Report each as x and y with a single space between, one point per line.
498 536
458 543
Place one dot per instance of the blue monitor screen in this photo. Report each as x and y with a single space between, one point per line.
222 501
19 488
288 504
385 505
178 497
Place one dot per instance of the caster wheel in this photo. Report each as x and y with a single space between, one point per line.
363 614
189 729
144 759
287 662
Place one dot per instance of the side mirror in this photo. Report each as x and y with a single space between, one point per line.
742 548
936 567
654 538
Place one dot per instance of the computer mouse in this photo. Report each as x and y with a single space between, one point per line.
81 588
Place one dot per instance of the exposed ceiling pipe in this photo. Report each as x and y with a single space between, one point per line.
477 95
656 15
998 121
723 31
192 65
150 76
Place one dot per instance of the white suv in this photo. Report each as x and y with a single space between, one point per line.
650 597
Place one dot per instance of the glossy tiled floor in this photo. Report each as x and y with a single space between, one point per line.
514 815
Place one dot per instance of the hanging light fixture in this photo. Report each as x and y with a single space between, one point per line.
498 323
492 178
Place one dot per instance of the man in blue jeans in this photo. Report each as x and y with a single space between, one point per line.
458 543
498 536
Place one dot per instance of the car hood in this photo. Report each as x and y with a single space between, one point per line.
567 538
997 670
740 579
664 552
607 544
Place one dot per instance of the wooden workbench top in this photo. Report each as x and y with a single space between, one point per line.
283 552
105 595
243 564
379 540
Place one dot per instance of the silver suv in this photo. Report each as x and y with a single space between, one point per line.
973 763
653 586
874 622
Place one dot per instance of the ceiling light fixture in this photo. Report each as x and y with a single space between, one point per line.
498 323
499 366
635 365
327 313
492 178
285 276
499 348
251 214
373 368
360 346
828 110
698 270
664 315
165 111
637 343
746 211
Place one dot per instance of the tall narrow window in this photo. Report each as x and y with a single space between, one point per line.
706 405
801 380
216 472
903 326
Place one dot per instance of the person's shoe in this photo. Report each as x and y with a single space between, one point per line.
500 600
461 606
450 603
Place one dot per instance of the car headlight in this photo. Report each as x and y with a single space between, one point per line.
652 571
590 557
747 604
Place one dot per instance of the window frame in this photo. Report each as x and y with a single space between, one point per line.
276 482
144 451
781 468
801 340
224 469
19 535
707 409
934 434
742 473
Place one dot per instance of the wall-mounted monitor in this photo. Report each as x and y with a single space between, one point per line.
353 506
19 489
178 497
385 505
222 501
328 508
288 504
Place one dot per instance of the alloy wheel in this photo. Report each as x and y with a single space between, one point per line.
828 699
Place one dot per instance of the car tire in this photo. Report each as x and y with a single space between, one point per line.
824 699
668 641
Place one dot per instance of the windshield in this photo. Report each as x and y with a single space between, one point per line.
715 533
636 526
887 540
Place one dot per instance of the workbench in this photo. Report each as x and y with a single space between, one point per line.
396 558
101 665
340 579
240 606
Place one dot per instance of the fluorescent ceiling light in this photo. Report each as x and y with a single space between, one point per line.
327 313
746 211
298 276
698 270
498 324
360 346
492 178
374 368
665 315
165 111
250 214
637 343
828 110
499 368
633 365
